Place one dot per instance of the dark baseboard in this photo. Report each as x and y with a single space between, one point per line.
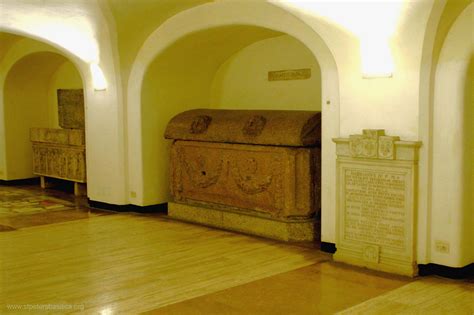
328 247
447 272
20 182
160 208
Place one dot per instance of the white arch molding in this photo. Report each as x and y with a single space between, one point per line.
452 220
440 25
220 14
443 14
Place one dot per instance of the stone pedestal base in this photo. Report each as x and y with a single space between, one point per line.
353 257
289 231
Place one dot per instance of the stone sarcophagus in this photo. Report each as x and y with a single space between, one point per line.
256 172
61 153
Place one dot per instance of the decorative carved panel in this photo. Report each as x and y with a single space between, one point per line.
59 153
276 181
71 108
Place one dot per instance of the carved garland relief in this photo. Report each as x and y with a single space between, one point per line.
201 173
247 179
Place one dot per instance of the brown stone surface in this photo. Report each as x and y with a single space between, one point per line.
275 182
58 136
71 108
322 288
288 231
266 127
264 180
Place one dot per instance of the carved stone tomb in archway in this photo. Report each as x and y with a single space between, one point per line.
256 172
61 153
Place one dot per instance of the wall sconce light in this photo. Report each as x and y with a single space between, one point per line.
377 60
98 78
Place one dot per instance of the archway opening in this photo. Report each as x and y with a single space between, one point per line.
31 101
221 68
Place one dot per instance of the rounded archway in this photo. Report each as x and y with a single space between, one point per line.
229 14
224 68
444 14
445 185
452 147
29 100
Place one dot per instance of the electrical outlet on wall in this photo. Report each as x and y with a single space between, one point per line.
442 247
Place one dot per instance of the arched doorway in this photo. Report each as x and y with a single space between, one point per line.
226 14
222 68
30 100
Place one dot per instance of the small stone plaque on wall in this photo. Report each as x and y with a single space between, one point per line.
71 108
376 209
286 75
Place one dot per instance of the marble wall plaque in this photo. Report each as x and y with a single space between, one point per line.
71 108
285 75
376 202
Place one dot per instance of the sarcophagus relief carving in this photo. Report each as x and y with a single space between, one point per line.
252 171
59 153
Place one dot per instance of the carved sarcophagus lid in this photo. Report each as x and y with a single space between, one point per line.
58 136
235 166
264 127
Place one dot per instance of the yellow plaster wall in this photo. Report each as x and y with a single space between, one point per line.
26 106
242 81
468 161
65 77
149 15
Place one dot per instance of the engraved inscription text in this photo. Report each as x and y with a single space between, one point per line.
375 207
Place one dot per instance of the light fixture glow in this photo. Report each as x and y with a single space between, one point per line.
98 78
377 60
373 22
72 30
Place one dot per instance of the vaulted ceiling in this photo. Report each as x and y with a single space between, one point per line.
135 20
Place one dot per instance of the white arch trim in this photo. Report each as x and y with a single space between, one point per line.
428 69
451 220
219 14
425 133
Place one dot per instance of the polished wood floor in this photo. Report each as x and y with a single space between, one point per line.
59 256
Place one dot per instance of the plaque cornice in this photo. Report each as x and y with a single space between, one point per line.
374 144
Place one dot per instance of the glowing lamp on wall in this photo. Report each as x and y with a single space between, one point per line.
98 78
377 60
